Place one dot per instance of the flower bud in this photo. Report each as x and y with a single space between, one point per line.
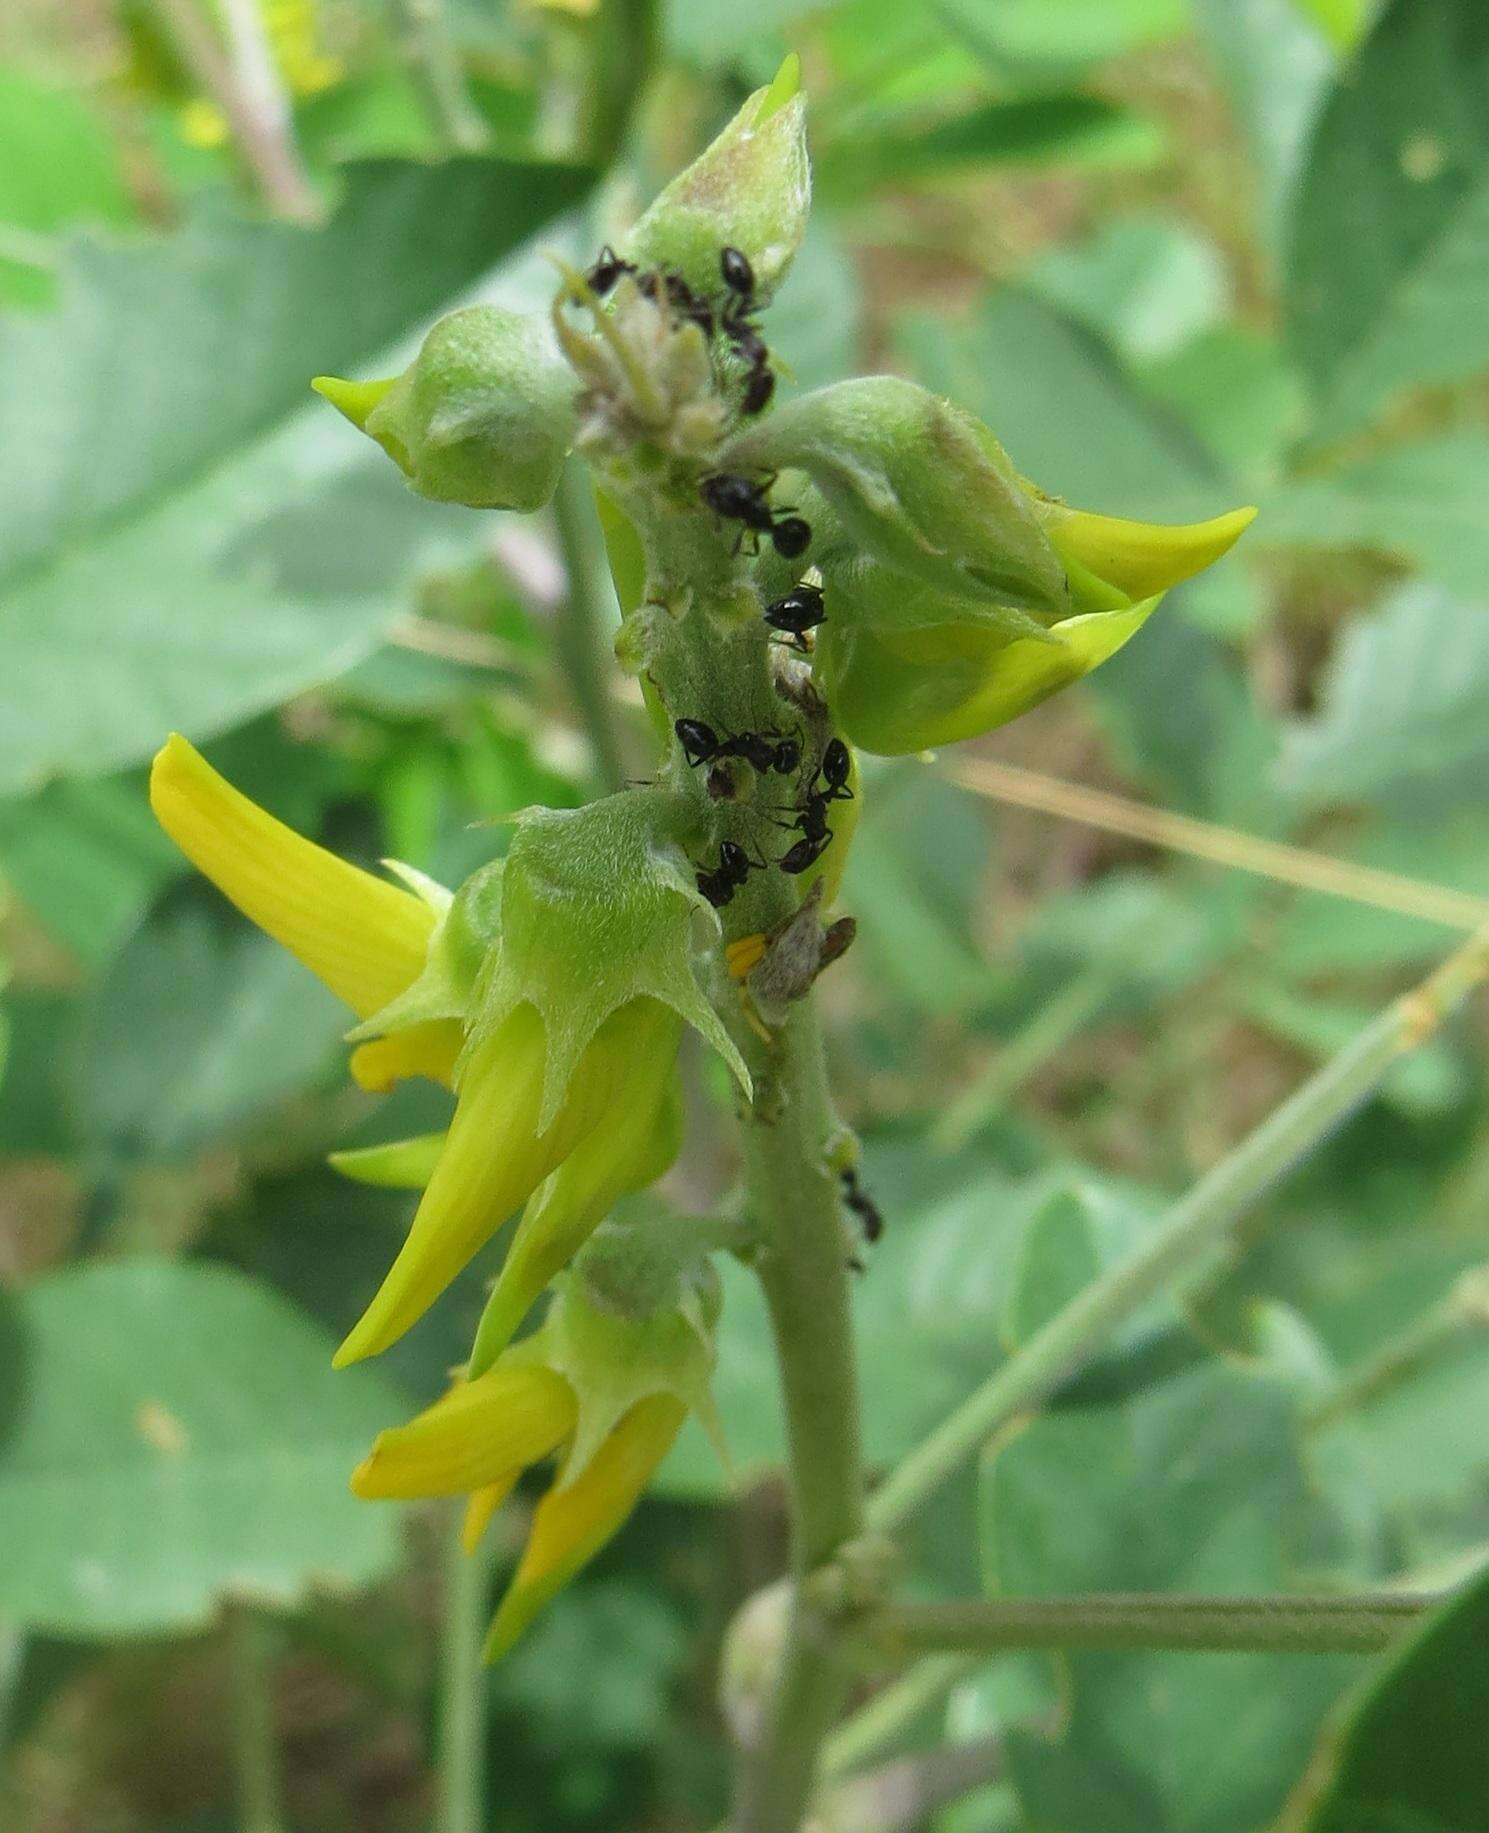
906 667
918 483
484 415
750 190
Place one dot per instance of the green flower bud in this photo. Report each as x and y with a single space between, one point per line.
484 415
921 485
749 190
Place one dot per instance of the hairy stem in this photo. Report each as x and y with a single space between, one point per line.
1069 1340
255 1750
803 1269
1282 1624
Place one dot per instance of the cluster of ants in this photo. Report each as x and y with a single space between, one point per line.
733 318
826 784
728 494
734 497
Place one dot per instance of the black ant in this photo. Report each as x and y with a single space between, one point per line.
795 614
863 1206
607 271
734 867
742 499
734 322
811 815
762 751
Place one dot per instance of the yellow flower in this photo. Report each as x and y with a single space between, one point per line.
365 938
605 1393
498 1151
553 1005
907 668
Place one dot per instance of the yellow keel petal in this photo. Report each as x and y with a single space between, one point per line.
1142 558
366 939
493 1160
572 1524
429 1049
481 1432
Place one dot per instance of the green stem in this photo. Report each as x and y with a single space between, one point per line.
462 1724
893 1710
584 629
802 1265
1045 1035
255 1750
1193 1225
1281 1624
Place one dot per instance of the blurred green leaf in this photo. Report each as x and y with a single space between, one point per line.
57 167
182 1441
171 508
200 1025
1407 1756
1146 282
85 858
1388 276
1276 66
36 1097
1420 504
1190 1488
1069 130
1237 389
1015 33
817 320
1401 700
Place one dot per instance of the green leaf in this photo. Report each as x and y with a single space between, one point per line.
200 1026
1388 274
1072 130
1276 67
85 858
1075 33
1419 504
170 505
181 1441
1188 1489
1401 703
57 166
1147 283
1408 1755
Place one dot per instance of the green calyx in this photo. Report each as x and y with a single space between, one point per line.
484 415
466 934
657 1340
920 485
598 906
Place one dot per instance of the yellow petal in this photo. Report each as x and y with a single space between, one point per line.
429 1049
481 1507
572 1524
1142 558
366 939
570 1205
494 1158
481 1432
401 1164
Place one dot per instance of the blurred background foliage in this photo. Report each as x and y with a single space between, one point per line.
1180 254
